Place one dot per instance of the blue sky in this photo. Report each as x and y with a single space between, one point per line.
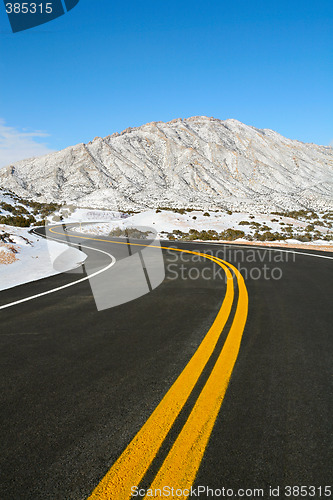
108 65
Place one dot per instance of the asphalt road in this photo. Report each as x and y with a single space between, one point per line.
77 384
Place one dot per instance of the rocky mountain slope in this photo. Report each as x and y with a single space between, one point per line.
197 162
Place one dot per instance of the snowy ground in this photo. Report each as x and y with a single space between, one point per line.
168 225
25 257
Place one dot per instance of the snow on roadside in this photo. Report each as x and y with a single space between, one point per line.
24 257
165 222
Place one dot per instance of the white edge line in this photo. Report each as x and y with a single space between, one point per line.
113 261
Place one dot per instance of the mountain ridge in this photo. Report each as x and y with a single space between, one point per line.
196 162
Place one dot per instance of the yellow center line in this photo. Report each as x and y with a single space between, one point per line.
133 463
181 465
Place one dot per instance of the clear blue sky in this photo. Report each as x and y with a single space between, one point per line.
108 65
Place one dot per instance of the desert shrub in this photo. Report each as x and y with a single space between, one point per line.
6 206
244 223
18 220
194 234
206 214
181 211
14 209
6 238
297 214
268 236
303 237
165 208
20 209
231 234
204 235
129 233
41 222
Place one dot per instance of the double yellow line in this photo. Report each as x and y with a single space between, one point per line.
181 464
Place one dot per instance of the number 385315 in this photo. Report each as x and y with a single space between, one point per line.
29 8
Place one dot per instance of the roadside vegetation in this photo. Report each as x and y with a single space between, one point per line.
284 229
324 219
133 233
24 213
210 235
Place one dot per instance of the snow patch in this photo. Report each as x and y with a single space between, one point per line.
34 258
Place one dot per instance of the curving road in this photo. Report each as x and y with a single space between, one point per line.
93 402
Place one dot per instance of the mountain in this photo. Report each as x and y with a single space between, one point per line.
197 162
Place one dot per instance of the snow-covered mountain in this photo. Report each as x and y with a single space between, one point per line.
197 162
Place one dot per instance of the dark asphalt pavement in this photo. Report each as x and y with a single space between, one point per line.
77 384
